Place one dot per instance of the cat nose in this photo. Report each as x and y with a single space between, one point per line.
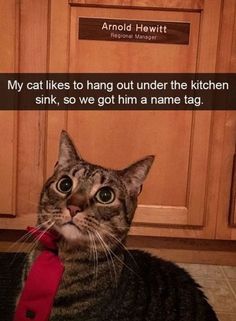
77 203
74 209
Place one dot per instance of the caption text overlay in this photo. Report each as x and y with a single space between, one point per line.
118 91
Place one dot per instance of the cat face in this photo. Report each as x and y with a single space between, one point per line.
87 203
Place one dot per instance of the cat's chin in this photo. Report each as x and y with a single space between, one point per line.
72 234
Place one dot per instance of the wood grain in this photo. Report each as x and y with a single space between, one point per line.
152 4
226 57
223 230
209 36
33 58
123 57
59 24
9 45
24 130
149 214
8 161
227 137
233 196
188 251
188 145
233 48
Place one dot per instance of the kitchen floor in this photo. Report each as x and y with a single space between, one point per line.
219 284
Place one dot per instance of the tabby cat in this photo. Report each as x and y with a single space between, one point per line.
92 208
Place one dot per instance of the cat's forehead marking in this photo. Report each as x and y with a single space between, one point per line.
90 174
78 172
102 176
96 176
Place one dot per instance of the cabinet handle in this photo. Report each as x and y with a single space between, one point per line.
232 213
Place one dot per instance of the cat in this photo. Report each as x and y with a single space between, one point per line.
92 208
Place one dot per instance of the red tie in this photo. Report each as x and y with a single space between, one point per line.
43 280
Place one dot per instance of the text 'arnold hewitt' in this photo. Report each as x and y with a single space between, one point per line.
138 27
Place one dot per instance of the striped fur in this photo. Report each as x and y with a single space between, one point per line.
103 281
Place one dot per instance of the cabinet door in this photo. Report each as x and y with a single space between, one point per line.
8 119
21 132
174 194
8 124
233 196
226 218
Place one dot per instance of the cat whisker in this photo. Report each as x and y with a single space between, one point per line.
34 244
95 260
106 251
117 257
90 244
109 253
31 246
38 239
117 241
25 238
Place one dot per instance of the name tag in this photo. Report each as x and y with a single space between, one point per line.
134 31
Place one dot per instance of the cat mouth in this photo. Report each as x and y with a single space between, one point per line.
71 223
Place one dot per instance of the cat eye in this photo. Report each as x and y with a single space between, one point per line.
65 184
105 195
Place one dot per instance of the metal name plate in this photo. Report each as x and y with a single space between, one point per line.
134 30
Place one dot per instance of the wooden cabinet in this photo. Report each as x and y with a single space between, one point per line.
233 196
8 119
22 159
180 191
8 141
225 228
181 197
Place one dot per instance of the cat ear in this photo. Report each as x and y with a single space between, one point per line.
135 174
67 149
